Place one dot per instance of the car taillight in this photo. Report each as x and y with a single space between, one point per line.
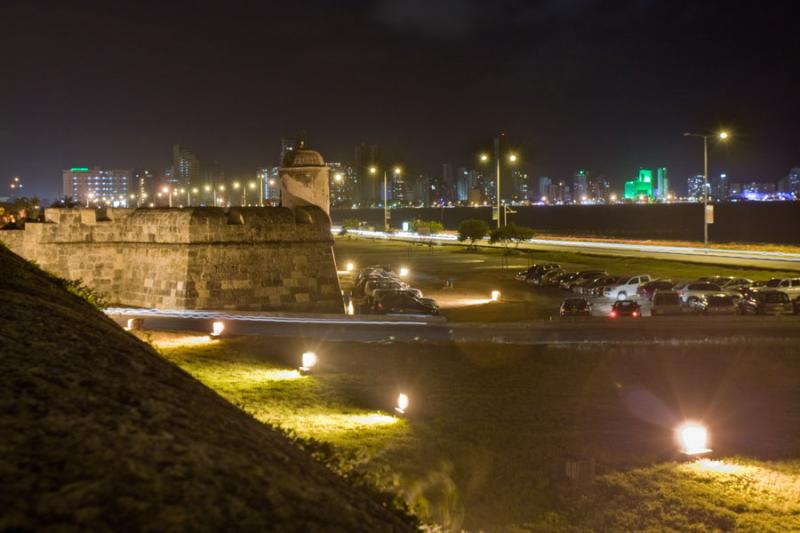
635 313
613 314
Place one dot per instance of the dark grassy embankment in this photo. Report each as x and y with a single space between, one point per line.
97 432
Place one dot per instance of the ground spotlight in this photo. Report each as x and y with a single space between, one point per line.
403 272
349 267
693 438
309 360
217 328
495 296
134 324
402 404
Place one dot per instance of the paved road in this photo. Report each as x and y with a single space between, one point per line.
755 259
579 331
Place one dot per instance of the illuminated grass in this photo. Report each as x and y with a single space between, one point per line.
731 494
303 405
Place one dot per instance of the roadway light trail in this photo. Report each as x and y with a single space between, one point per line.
782 257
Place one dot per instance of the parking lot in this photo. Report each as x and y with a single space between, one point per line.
462 283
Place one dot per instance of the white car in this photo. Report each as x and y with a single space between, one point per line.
627 288
790 286
694 291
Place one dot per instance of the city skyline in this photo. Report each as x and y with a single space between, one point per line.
579 85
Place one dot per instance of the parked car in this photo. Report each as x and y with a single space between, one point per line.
646 290
586 285
536 274
404 303
372 285
735 284
625 308
717 304
575 307
379 294
692 292
666 303
626 288
766 302
552 277
790 286
570 282
535 271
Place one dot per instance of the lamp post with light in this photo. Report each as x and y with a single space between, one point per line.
512 158
395 172
722 136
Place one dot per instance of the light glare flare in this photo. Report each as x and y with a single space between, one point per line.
402 403
309 360
217 328
693 438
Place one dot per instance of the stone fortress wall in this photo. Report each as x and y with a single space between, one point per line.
259 258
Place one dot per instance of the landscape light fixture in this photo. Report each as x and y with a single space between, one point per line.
693 438
402 404
308 361
403 272
217 328
495 296
349 266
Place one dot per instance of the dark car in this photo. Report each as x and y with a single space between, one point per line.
647 290
535 271
575 307
625 308
405 303
380 294
551 277
666 303
717 304
766 302
569 283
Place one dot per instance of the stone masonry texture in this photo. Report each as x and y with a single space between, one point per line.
255 259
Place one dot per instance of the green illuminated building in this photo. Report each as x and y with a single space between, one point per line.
641 186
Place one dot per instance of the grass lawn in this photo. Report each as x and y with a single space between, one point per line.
476 273
490 427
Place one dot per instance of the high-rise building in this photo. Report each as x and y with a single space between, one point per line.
97 185
466 181
343 184
722 187
559 193
599 189
144 184
185 167
641 187
369 190
580 185
521 186
544 188
694 187
791 183
662 184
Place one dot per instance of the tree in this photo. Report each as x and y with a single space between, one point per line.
349 223
509 233
473 230
426 227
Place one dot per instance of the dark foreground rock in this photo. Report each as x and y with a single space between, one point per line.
97 432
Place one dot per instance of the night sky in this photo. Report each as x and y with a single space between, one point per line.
604 85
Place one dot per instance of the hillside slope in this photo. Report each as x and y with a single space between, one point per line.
99 432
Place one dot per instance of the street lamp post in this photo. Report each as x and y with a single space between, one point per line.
722 136
396 171
166 191
512 158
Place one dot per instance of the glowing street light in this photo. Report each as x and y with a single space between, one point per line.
217 328
396 171
402 404
693 438
512 158
722 136
308 361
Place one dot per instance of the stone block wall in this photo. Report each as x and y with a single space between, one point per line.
258 259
